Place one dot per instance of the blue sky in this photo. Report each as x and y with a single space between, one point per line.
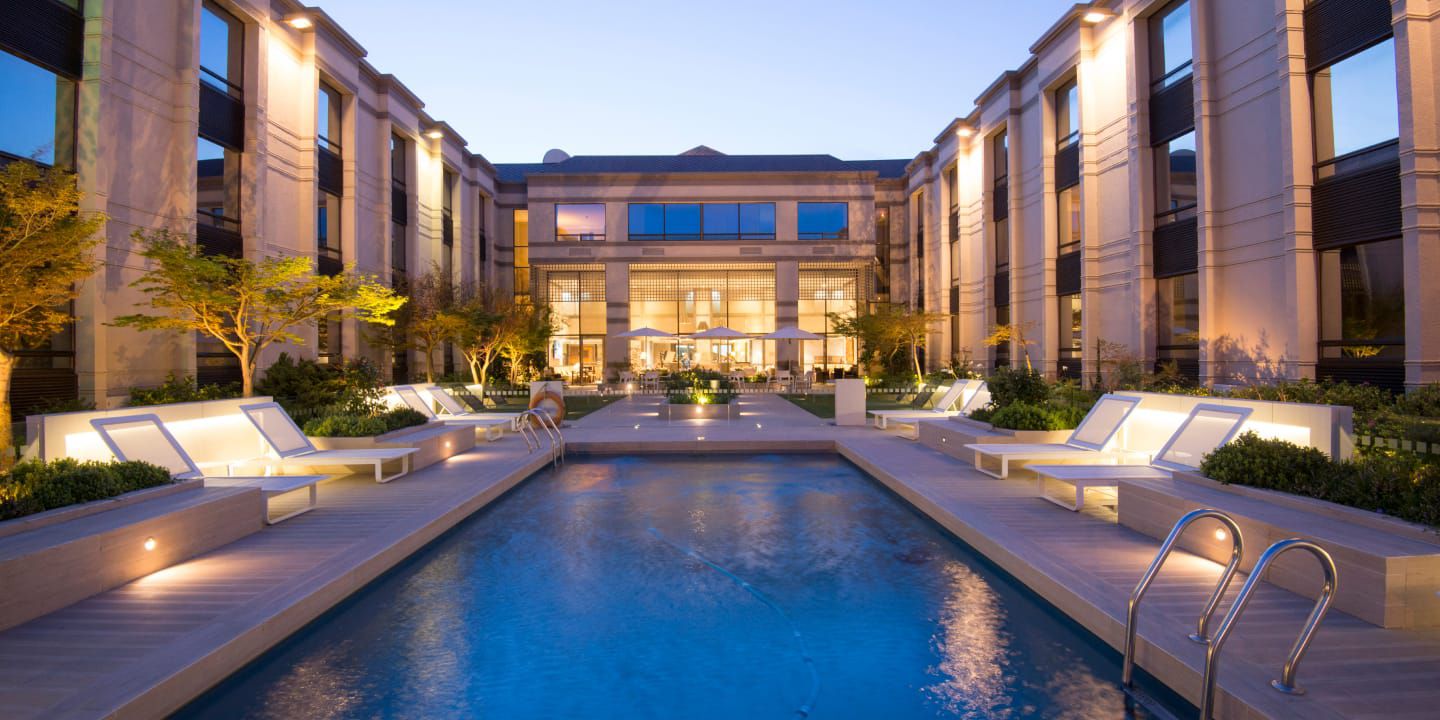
856 79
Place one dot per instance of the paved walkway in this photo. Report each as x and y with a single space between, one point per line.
144 649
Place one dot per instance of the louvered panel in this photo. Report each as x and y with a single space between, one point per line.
1335 29
34 388
1176 248
44 32
1172 112
329 265
1357 207
331 172
216 369
222 118
1387 375
1067 274
219 241
1067 167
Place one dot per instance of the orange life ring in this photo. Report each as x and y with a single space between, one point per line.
550 403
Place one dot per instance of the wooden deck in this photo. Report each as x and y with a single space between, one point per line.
146 648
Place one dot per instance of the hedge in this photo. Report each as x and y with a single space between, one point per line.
364 425
32 486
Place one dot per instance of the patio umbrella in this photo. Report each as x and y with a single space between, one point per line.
647 334
719 332
791 333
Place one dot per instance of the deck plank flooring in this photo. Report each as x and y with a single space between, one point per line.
125 653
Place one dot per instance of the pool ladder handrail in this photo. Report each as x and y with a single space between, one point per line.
1286 683
553 436
1132 609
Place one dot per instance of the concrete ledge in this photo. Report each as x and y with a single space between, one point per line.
1389 579
75 512
48 568
435 441
952 435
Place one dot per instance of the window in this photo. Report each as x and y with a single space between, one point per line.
1175 189
217 197
696 298
1170 49
1357 119
822 221
1068 217
708 221
1002 318
826 296
882 253
399 208
327 118
521 241
576 349
1000 198
39 113
327 224
580 222
448 181
1067 115
1178 301
1362 301
221 43
1071 341
953 176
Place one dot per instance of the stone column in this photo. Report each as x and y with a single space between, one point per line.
787 311
617 317
1418 65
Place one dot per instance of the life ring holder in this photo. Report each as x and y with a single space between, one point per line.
550 403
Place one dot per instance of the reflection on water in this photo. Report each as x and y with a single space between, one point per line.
677 587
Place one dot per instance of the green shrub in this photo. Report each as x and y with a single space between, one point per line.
32 486
309 390
1027 416
1401 485
363 425
1423 401
402 418
1012 385
179 389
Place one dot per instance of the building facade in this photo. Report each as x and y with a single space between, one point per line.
1238 189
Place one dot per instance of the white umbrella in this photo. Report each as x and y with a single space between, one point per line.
647 333
792 333
719 332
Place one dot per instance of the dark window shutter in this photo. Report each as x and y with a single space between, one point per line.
1067 166
45 33
331 172
222 118
1357 207
1172 112
1335 29
219 241
1177 248
1067 273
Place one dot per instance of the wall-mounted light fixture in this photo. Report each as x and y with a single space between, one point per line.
1095 16
299 22
434 133
965 131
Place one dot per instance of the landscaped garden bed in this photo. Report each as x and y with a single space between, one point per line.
33 486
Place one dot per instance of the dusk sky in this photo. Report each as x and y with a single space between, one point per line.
859 80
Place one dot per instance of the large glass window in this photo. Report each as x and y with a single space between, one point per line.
39 113
1175 188
1071 339
1170 45
327 224
327 118
1178 304
1067 115
1068 216
882 253
1000 195
521 242
825 296
217 197
708 221
580 221
399 207
822 221
1357 117
684 302
577 348
221 42
1362 301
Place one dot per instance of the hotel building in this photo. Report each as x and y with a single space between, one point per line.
1244 188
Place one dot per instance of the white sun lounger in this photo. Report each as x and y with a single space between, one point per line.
451 406
493 426
956 400
145 438
290 446
1206 427
1091 440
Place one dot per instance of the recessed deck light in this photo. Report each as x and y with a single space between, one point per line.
1221 535
149 544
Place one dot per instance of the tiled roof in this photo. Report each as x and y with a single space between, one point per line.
599 164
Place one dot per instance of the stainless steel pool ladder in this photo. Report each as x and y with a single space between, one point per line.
1286 683
554 438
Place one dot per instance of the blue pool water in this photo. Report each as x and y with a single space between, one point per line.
729 587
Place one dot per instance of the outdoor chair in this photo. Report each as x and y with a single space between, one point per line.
146 439
1090 441
451 407
290 446
492 423
958 399
1206 428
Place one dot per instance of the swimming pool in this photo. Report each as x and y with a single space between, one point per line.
721 587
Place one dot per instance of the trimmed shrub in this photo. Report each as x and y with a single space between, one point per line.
402 418
1423 401
363 425
309 390
1012 385
179 389
1027 416
32 486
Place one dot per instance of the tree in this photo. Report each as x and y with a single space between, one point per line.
428 317
532 327
893 329
247 306
483 328
45 252
1013 332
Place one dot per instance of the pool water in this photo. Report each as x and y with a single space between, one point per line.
726 587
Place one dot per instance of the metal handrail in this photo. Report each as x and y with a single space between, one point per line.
521 426
1286 683
552 433
545 417
1132 610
